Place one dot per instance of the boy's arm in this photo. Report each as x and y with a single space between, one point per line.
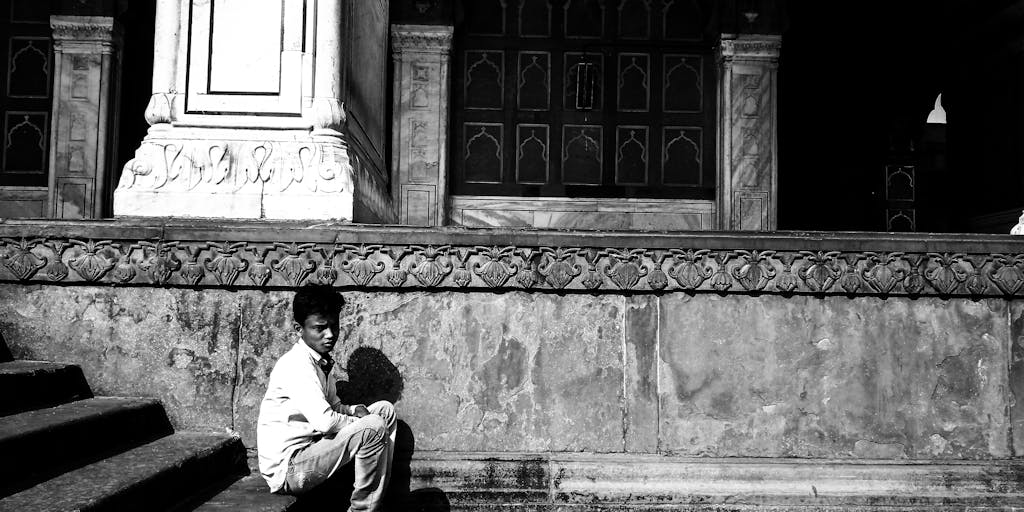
307 396
357 410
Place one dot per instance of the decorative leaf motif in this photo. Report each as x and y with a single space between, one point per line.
656 278
850 282
124 271
362 270
226 265
259 273
296 265
162 264
21 261
91 265
1006 273
755 272
191 270
721 280
691 272
495 272
625 272
592 280
326 274
914 283
397 277
976 282
787 281
462 277
56 270
879 273
947 276
822 273
556 270
428 271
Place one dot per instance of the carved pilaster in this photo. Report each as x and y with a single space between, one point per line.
421 55
83 140
249 126
748 174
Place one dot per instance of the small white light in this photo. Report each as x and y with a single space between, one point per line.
938 114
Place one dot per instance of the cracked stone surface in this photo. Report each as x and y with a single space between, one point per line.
833 377
703 375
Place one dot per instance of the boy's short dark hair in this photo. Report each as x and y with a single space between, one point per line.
312 300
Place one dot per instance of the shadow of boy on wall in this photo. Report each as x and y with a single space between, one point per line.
373 377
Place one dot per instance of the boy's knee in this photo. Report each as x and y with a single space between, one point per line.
374 423
385 410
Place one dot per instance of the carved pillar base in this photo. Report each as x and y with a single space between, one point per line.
420 127
249 126
83 142
206 175
748 176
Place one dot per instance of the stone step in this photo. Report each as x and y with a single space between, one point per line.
567 482
39 384
5 351
151 477
249 493
47 442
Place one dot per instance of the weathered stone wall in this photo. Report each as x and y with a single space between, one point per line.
698 374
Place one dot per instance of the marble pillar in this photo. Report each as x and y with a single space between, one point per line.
83 135
247 117
748 172
420 124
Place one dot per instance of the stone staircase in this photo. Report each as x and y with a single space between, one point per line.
64 449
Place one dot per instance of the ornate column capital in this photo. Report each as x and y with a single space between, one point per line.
97 29
750 47
421 38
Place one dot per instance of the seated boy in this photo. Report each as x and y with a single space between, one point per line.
304 433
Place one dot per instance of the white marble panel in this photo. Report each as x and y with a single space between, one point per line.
245 46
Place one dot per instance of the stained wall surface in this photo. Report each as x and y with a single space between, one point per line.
683 374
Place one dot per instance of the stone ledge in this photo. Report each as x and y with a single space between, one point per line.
616 482
260 254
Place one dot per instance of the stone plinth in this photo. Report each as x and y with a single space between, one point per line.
420 131
748 159
597 371
83 138
249 126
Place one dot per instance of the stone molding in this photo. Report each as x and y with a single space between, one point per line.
229 166
424 38
750 47
633 482
100 29
274 255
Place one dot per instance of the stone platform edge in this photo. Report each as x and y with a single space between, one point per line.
653 480
263 254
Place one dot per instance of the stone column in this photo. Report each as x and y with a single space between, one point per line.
420 126
83 138
748 172
247 119
159 111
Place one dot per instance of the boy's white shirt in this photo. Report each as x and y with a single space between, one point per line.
298 408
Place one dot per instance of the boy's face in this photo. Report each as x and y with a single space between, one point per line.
319 332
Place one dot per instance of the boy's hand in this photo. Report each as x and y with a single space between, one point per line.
359 410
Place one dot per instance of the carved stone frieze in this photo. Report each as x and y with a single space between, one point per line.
238 178
428 38
751 47
232 166
99 29
239 262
